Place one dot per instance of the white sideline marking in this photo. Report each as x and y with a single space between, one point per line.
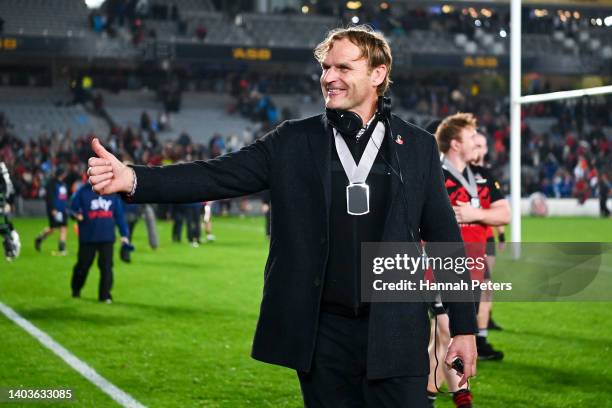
121 397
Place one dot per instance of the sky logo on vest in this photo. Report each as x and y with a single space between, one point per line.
100 208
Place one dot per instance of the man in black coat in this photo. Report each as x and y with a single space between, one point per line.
346 352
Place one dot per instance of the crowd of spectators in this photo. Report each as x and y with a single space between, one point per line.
565 158
32 162
569 160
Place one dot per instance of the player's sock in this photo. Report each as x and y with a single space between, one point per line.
431 398
462 398
483 333
38 241
62 246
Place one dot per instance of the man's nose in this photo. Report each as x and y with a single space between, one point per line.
330 76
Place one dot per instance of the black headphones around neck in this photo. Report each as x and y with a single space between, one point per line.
349 123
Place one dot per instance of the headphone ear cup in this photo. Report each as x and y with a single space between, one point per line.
384 107
346 122
387 106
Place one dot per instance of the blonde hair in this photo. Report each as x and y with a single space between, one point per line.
450 128
373 46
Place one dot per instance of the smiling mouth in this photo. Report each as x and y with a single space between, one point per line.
335 91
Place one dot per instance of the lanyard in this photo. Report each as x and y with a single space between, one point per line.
470 184
358 173
358 192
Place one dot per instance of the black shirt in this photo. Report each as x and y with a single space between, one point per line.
342 288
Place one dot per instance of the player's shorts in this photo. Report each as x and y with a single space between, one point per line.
490 251
54 223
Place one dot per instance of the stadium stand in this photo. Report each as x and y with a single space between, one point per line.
564 141
34 111
218 29
62 19
199 111
40 17
291 30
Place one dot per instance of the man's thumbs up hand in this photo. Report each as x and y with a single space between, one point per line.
99 150
106 173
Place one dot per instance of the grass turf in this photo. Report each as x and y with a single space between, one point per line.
180 329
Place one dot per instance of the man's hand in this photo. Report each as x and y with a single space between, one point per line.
465 213
106 173
79 217
59 217
464 347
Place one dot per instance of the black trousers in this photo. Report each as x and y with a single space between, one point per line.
603 207
194 229
338 375
179 214
87 253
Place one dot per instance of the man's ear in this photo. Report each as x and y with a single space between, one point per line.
454 144
378 75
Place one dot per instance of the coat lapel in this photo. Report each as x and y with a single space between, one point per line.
405 153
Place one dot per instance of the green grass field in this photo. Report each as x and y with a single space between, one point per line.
180 329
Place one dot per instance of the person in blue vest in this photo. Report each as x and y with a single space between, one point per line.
97 217
56 199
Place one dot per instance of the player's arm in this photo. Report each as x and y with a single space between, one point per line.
76 209
497 214
119 216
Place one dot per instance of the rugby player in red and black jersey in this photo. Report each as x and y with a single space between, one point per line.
478 203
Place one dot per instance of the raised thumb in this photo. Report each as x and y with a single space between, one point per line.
99 150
